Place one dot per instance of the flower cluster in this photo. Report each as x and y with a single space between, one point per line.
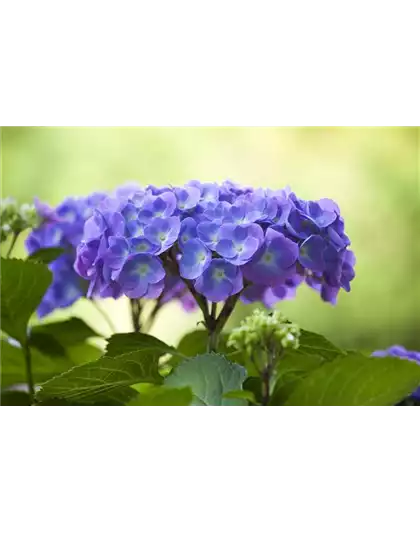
264 332
401 353
218 240
62 227
14 218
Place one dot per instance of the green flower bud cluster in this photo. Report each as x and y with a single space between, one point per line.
265 332
15 218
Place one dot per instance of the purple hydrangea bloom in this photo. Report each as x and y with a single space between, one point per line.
65 289
215 236
311 253
160 206
188 231
219 281
163 232
138 273
321 214
401 353
301 225
194 260
187 197
175 289
208 233
238 244
274 261
63 227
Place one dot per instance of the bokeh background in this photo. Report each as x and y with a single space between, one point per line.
373 174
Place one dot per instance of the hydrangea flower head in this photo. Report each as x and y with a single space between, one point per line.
221 240
63 227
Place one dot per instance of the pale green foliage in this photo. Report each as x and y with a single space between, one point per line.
264 332
15 218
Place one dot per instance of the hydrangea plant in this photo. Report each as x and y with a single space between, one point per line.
207 246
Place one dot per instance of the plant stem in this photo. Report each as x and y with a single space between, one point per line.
267 372
152 316
213 310
215 325
201 301
12 243
104 316
226 311
213 340
135 314
28 366
266 378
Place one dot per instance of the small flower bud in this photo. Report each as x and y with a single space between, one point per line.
264 332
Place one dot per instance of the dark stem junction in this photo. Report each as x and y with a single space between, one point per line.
136 309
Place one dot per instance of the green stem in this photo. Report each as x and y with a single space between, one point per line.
213 340
215 325
28 366
227 311
201 301
135 314
152 316
12 243
266 379
104 316
213 310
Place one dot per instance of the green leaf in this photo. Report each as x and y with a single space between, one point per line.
23 285
164 396
66 332
140 343
15 397
253 384
210 376
313 344
46 255
130 358
358 380
195 343
83 353
47 344
291 369
241 395
57 402
314 351
13 368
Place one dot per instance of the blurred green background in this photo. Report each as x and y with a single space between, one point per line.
373 174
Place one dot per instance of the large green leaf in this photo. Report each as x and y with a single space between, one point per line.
291 369
142 343
66 332
46 255
47 344
13 368
83 353
23 284
313 344
210 376
130 358
314 351
242 395
139 343
164 396
66 338
358 380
